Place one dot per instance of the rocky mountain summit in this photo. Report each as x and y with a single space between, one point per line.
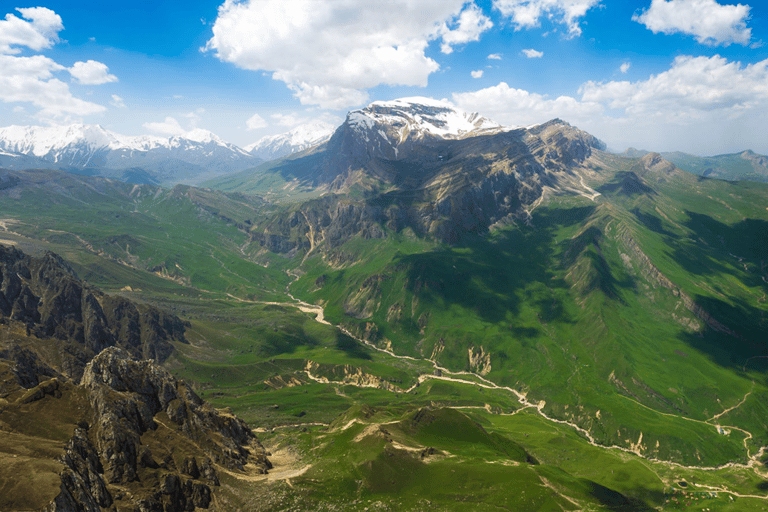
431 168
387 141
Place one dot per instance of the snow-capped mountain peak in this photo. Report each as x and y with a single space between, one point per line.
392 129
201 135
298 139
416 117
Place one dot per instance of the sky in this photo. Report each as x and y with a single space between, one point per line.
661 75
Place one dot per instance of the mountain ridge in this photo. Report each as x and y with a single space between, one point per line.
190 158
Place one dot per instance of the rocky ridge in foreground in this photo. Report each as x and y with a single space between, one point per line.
89 421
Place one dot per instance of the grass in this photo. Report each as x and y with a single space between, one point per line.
32 438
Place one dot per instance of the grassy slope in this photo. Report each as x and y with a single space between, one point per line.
271 181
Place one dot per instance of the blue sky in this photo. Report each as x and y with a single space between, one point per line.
688 75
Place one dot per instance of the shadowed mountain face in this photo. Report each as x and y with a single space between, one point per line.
412 146
44 299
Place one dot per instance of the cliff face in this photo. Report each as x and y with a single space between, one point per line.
130 398
44 299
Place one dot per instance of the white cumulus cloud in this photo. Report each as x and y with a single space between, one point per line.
169 127
625 67
256 122
532 54
528 13
708 21
495 56
692 86
91 73
37 30
477 74
517 107
330 53
703 105
117 101
469 26
33 79
291 120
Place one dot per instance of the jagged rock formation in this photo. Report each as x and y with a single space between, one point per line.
139 438
128 395
43 299
128 424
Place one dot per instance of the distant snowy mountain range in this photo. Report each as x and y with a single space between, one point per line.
387 128
91 149
191 158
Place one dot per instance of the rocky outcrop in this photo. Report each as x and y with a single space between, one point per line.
655 163
479 360
127 396
347 375
148 433
45 297
82 483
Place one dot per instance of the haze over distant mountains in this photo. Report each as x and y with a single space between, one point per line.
198 154
190 158
746 165
387 129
